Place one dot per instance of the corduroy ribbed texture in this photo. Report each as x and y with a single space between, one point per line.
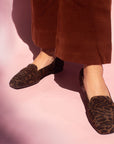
74 30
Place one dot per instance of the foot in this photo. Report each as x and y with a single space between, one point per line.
42 60
41 67
94 83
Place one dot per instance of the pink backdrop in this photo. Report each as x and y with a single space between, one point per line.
51 112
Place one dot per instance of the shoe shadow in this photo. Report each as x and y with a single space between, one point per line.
69 79
21 16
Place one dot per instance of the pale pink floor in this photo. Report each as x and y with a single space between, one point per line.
52 111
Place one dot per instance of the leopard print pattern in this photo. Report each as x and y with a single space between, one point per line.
29 75
101 114
100 111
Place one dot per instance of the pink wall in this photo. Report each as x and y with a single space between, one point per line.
51 112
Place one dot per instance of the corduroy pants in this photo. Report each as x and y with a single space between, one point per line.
73 30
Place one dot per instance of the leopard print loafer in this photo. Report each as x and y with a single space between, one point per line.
100 111
29 75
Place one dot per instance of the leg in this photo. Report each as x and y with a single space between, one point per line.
42 60
93 81
44 30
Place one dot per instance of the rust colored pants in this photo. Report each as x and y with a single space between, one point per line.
73 30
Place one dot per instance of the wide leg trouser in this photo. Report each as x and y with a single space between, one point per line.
73 30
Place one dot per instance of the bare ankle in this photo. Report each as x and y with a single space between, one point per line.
93 69
48 53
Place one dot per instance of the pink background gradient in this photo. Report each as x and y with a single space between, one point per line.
52 111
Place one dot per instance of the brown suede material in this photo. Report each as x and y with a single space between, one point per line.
29 75
74 30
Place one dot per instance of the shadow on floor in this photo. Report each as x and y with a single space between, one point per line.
21 15
69 79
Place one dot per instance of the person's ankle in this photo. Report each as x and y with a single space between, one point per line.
42 60
93 70
93 75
